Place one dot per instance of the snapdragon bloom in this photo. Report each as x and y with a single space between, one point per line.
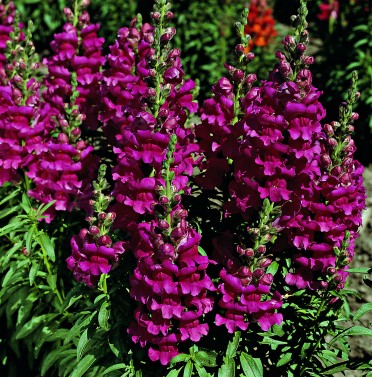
93 255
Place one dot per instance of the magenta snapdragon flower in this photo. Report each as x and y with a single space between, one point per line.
77 50
93 255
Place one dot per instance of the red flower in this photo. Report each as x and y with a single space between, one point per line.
260 26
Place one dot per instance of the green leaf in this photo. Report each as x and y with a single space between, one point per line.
52 358
201 371
114 367
46 243
33 324
233 345
252 367
9 197
273 268
52 281
83 366
77 328
365 308
202 251
207 359
104 316
83 341
174 373
179 358
227 369
189 367
286 358
354 330
33 271
11 252
360 270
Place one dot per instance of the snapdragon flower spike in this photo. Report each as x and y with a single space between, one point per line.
24 119
279 150
77 50
246 290
145 103
170 281
93 252
7 13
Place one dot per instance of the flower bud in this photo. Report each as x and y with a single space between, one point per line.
163 200
288 41
63 138
177 232
332 142
323 285
239 49
258 273
238 75
331 270
111 216
301 48
261 249
354 116
328 129
83 233
102 215
325 160
267 279
166 251
265 262
81 145
94 230
155 15
104 241
279 55
250 56
169 15
244 272
163 224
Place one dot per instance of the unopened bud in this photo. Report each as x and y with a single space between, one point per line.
104 241
94 230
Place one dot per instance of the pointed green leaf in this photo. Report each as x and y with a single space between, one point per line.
365 308
228 369
189 367
179 358
33 271
252 367
114 367
52 358
354 330
233 345
286 358
174 373
83 366
52 281
207 359
46 243
83 341
104 316
33 324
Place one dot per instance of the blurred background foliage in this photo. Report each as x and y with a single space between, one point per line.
340 32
